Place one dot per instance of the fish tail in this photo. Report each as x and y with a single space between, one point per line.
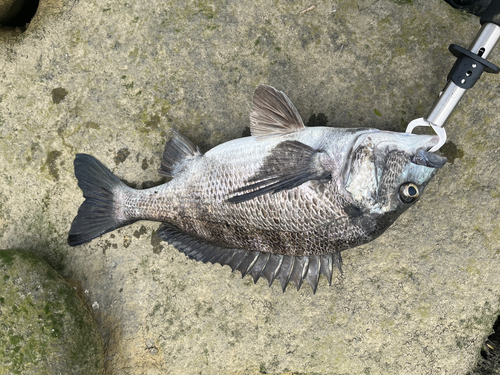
98 214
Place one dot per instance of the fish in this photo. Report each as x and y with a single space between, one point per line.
280 204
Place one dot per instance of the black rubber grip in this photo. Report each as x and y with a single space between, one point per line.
468 67
476 7
492 13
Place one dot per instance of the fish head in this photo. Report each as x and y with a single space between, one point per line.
386 172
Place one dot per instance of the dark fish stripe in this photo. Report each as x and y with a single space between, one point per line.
290 164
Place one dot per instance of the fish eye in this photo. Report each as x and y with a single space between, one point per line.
408 192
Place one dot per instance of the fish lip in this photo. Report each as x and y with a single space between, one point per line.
428 159
418 149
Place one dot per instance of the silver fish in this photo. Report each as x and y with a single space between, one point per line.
282 203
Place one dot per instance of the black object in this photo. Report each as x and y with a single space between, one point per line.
492 13
488 10
468 67
476 7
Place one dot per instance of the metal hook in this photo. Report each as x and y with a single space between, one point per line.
440 131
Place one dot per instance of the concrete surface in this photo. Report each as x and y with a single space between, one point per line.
110 78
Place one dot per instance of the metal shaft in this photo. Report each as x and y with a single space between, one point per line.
483 44
485 40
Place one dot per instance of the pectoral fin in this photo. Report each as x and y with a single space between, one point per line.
289 165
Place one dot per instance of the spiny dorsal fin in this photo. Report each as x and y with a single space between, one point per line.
178 149
273 113
284 268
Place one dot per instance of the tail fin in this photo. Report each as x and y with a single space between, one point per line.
97 214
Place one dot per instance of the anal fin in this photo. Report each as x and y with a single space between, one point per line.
299 271
285 271
259 266
272 268
285 268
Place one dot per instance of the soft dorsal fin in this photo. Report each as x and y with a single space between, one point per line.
177 150
273 113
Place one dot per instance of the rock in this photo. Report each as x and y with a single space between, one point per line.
45 328
112 78
9 9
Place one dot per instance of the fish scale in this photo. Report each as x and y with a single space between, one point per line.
281 204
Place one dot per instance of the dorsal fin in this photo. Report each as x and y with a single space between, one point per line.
177 150
273 113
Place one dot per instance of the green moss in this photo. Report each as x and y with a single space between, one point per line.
403 2
134 53
7 258
121 156
424 311
92 125
205 9
48 327
51 164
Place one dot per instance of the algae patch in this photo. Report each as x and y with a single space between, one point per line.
51 164
451 151
156 242
47 328
317 120
58 95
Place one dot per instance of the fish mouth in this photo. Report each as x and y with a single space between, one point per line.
428 159
422 156
417 146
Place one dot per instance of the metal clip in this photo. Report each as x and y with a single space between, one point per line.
438 129
466 71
